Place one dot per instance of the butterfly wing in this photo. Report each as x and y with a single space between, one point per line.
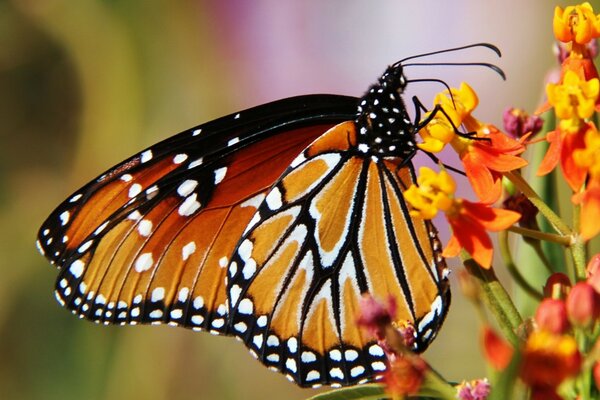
334 226
149 240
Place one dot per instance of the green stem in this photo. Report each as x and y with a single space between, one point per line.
548 237
578 250
558 224
512 268
496 299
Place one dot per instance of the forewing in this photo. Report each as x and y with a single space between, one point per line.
149 240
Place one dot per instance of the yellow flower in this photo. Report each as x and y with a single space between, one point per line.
433 193
576 24
458 105
573 100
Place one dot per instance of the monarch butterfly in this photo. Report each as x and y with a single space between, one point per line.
269 225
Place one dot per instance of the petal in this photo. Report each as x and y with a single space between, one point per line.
492 219
473 238
574 175
497 351
486 187
552 155
453 247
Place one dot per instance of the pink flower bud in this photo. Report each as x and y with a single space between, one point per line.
582 305
596 374
551 316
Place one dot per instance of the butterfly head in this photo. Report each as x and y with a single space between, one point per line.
384 126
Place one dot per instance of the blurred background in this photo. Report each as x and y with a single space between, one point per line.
84 84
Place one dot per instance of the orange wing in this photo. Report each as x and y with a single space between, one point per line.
149 241
334 227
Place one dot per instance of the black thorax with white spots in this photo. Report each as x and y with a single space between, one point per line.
384 126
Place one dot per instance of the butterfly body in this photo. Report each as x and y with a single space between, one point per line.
269 225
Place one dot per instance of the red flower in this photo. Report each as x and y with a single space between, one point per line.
583 305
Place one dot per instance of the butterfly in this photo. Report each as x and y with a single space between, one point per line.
270 225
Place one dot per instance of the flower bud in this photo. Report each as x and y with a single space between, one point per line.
551 316
557 286
518 123
582 305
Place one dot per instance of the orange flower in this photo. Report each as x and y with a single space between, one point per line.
549 359
469 221
486 155
576 24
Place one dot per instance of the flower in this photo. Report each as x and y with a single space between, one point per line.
551 316
573 99
549 359
582 305
576 24
469 221
485 155
518 123
478 389
405 375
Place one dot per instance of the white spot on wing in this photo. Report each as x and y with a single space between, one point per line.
179 158
273 199
135 189
188 250
64 218
233 141
145 227
220 174
158 294
76 268
189 206
187 187
75 198
195 163
144 262
146 156
245 307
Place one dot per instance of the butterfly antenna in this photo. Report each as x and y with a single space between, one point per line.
485 45
493 67
437 81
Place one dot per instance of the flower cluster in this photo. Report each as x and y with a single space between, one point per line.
575 143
